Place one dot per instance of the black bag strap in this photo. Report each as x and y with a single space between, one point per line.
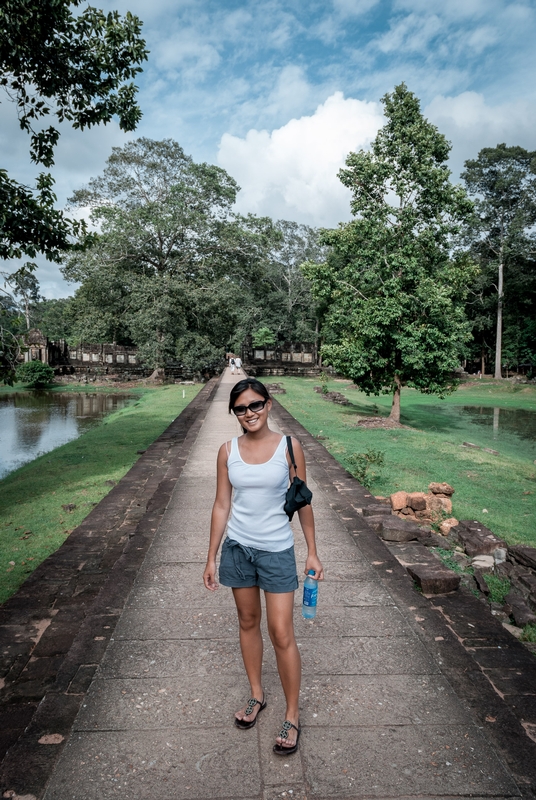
291 453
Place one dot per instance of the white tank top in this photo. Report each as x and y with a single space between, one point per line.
257 516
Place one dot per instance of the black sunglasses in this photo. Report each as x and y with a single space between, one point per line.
258 405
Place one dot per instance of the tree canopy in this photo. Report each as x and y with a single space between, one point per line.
171 264
393 296
174 271
501 238
76 66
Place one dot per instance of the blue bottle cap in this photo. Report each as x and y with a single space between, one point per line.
311 572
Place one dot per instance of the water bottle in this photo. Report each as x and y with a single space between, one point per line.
310 596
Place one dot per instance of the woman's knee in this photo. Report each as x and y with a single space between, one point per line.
249 619
282 636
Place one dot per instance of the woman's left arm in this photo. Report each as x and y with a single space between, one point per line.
307 520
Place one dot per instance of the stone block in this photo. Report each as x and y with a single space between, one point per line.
441 488
447 524
477 539
375 509
416 501
435 540
483 563
407 512
438 503
521 613
423 533
398 500
528 581
515 631
481 582
395 529
523 555
376 522
434 579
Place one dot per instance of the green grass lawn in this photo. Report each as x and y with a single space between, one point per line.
32 521
431 450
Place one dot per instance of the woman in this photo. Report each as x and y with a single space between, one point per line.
258 552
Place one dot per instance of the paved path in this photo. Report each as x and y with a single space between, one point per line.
379 717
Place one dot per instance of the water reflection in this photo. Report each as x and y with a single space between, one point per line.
512 420
32 423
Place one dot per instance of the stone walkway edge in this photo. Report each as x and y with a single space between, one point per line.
493 674
55 629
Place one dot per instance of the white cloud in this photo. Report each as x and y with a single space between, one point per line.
291 173
353 8
471 124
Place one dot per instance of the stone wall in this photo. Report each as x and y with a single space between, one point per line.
291 358
441 554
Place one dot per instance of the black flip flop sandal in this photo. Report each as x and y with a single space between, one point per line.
249 708
283 734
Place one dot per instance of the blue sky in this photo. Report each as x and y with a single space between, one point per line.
279 92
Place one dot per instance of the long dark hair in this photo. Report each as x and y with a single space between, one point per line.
241 386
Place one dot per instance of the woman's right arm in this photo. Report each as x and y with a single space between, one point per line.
220 515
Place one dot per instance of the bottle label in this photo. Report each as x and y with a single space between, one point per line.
310 596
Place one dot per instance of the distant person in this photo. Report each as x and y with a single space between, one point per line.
258 552
232 365
238 362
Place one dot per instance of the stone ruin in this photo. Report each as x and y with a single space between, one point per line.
333 397
406 522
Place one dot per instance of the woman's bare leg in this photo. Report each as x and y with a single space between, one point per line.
279 612
248 606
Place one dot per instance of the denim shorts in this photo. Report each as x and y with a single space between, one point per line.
242 567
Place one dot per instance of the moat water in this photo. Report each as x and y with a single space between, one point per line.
33 423
511 431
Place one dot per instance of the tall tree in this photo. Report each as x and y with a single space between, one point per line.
11 335
501 231
289 307
75 65
393 294
171 264
25 289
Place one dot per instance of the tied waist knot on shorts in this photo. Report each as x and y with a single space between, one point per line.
247 552
242 567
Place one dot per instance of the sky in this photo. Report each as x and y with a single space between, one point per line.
279 92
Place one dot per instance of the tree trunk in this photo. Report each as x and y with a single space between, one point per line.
498 344
395 408
483 361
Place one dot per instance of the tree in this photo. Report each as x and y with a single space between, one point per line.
500 232
54 318
25 288
76 66
170 259
289 307
35 374
263 337
393 294
11 337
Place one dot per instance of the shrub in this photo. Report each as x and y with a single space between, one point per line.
360 464
35 374
263 337
324 378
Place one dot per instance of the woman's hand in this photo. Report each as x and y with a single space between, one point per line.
209 576
313 562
